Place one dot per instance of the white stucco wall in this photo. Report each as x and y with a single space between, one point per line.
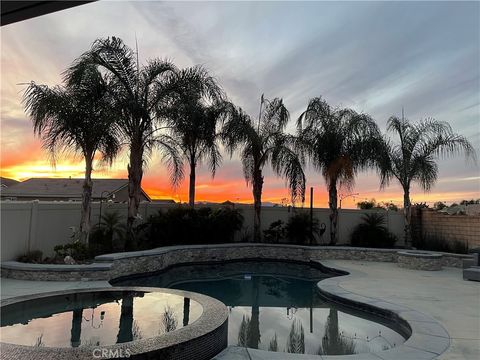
37 225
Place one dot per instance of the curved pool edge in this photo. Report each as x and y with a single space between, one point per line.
205 337
428 338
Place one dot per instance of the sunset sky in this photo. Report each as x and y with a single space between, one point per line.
372 56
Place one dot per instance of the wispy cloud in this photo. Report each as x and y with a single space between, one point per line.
373 56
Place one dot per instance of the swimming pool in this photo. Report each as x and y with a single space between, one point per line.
276 306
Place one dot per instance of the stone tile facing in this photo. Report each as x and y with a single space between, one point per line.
420 260
201 340
110 266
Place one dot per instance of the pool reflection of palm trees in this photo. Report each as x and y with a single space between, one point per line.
169 320
125 326
249 333
333 343
186 311
296 338
76 331
39 342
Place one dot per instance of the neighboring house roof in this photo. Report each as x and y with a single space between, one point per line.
65 188
164 201
6 182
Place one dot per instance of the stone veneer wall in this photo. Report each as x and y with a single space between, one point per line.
464 228
419 261
124 264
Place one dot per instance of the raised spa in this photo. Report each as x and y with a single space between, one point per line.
276 306
98 318
119 322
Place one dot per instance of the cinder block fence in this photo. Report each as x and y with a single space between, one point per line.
463 228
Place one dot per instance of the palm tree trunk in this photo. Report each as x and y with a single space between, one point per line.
186 311
257 205
135 174
86 200
407 213
253 333
332 203
125 326
191 190
76 330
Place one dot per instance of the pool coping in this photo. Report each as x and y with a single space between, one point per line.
209 327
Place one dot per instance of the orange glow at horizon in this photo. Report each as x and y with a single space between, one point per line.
219 189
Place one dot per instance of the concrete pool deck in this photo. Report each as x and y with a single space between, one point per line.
443 295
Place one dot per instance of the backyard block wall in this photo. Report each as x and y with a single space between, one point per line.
34 225
464 228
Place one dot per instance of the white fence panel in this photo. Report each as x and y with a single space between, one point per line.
37 225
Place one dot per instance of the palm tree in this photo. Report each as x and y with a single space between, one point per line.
193 114
413 158
339 143
140 92
264 141
78 117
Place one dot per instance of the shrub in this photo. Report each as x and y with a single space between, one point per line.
439 205
299 228
366 204
275 232
372 233
77 250
34 256
109 235
225 222
182 225
372 204
437 243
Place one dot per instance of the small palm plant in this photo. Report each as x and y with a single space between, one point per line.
264 142
413 158
373 232
110 234
339 143
79 117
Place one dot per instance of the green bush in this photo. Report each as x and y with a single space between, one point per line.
77 250
299 228
372 233
275 232
183 225
34 256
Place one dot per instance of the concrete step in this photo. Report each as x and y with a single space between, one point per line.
472 273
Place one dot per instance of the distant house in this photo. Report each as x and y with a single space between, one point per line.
51 189
6 182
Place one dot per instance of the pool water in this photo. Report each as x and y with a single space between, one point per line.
276 306
95 318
